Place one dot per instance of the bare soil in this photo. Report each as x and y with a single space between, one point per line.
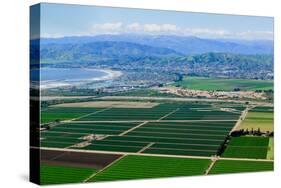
77 159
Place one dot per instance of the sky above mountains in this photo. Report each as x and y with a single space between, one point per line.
59 20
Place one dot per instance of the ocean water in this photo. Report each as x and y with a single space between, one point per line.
56 77
70 74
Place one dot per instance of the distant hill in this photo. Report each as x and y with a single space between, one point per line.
232 62
101 50
181 44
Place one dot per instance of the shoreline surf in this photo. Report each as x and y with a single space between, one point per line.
108 74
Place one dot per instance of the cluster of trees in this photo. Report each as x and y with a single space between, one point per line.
242 132
266 91
253 132
223 146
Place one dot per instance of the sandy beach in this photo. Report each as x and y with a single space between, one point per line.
108 75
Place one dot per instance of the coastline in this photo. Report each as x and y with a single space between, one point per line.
109 75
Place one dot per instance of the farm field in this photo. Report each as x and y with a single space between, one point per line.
210 84
166 131
107 104
168 128
68 134
139 167
270 153
192 110
235 166
259 118
178 138
54 174
247 147
53 114
174 111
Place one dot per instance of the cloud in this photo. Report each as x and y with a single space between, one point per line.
52 35
169 29
255 34
160 28
134 27
107 28
204 31
151 28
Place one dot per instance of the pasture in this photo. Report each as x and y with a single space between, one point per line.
220 84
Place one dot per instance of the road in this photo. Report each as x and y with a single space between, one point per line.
241 118
183 99
135 121
147 154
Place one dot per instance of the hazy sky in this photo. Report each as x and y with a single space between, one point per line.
58 20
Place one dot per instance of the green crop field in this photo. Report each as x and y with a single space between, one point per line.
188 111
118 114
68 134
168 129
189 128
176 138
139 167
270 153
245 152
249 141
235 166
211 84
60 113
247 147
263 109
259 118
50 174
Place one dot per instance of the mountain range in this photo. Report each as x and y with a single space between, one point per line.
173 54
93 51
187 45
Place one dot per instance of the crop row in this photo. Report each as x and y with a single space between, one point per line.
138 167
232 166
